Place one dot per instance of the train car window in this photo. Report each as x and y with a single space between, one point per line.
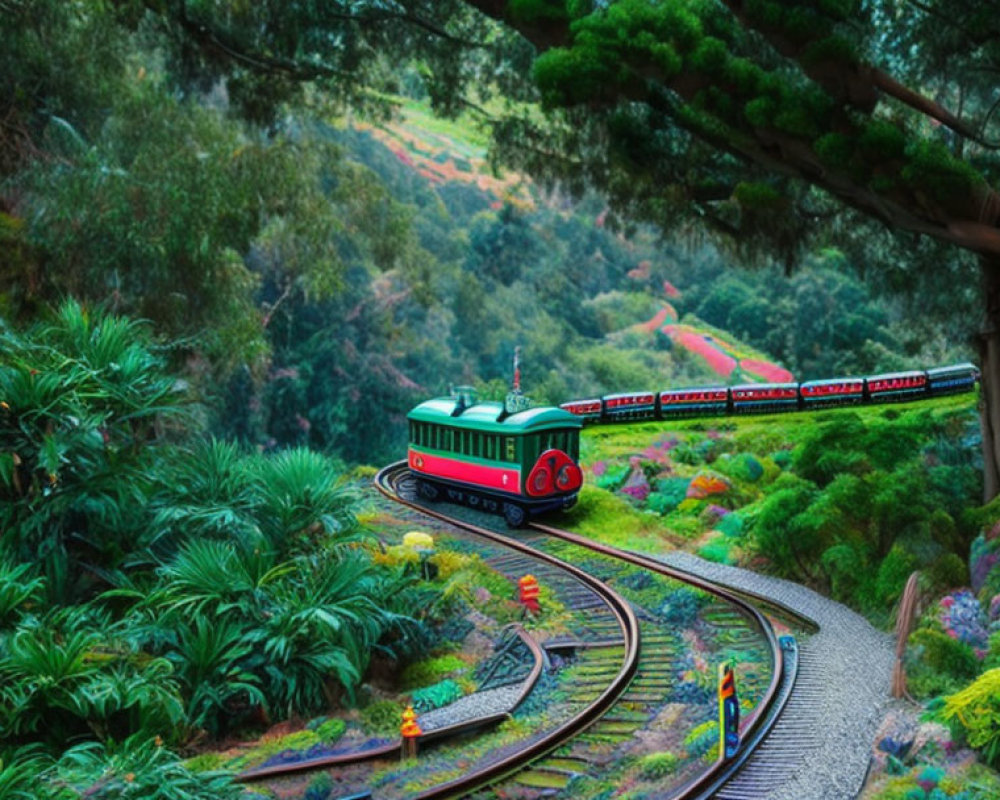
509 449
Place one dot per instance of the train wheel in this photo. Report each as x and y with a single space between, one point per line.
514 515
428 491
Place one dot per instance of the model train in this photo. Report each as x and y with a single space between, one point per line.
502 458
756 398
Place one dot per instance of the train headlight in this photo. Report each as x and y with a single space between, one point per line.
541 481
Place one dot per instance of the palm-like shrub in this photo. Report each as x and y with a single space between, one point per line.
208 492
285 637
210 656
137 768
209 575
299 497
19 773
81 398
43 673
17 589
63 678
215 612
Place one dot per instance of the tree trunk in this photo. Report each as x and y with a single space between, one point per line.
989 351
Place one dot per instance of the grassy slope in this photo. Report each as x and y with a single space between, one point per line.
679 450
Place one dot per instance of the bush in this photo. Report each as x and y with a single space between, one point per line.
328 730
744 467
669 494
731 525
431 670
947 572
320 788
436 696
975 711
382 718
893 573
657 765
937 663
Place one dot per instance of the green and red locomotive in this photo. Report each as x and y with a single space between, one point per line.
518 462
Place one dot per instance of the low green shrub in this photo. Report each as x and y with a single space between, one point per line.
206 762
948 571
669 494
320 788
657 765
975 712
436 696
431 670
702 739
328 730
938 664
382 718
731 525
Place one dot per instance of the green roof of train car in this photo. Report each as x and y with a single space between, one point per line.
489 417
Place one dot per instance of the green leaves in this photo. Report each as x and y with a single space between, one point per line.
209 655
17 590
976 710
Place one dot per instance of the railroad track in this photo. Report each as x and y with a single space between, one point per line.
583 748
621 674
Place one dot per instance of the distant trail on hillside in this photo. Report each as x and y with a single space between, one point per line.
724 355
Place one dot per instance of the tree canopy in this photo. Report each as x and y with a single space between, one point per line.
152 152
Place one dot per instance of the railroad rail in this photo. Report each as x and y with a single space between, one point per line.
754 730
612 662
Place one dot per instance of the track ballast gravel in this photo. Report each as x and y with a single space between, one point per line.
820 747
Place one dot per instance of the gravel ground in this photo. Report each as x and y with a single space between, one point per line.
820 747
470 707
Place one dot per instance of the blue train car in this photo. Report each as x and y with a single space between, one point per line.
952 379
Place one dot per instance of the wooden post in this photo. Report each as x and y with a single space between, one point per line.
904 623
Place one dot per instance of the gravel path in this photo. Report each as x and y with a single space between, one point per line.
472 706
820 747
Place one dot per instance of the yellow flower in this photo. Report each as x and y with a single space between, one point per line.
158 741
130 777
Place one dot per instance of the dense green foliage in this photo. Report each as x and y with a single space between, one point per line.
850 501
976 710
871 500
154 585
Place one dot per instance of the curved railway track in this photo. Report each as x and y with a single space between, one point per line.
648 673
619 681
